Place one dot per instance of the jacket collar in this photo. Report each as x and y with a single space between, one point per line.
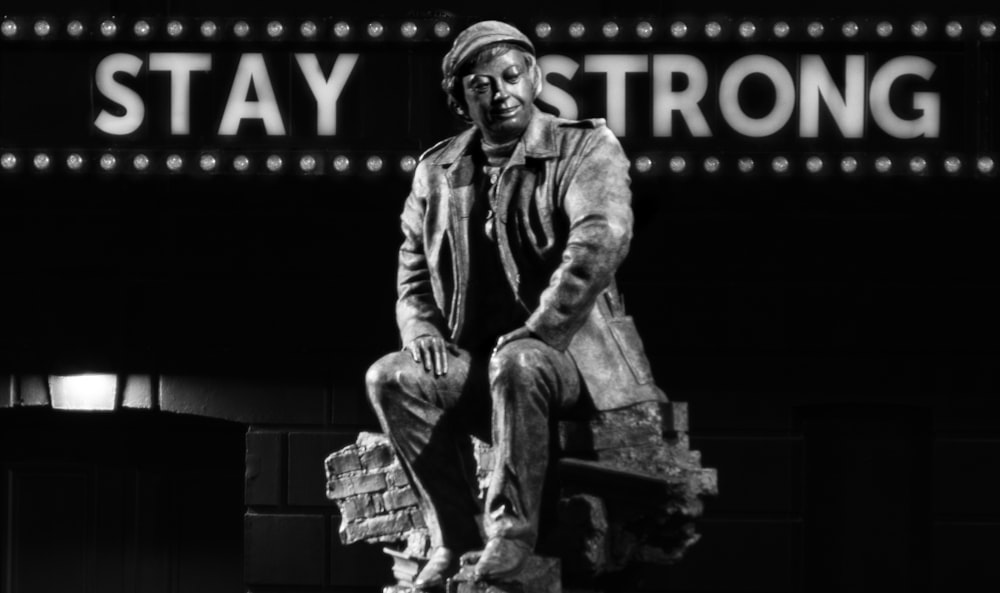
538 141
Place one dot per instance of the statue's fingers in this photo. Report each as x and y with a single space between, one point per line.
426 355
439 358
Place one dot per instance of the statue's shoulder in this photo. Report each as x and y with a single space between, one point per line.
592 123
437 148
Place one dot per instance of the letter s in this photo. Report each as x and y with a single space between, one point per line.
135 109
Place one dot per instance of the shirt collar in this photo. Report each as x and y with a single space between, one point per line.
538 141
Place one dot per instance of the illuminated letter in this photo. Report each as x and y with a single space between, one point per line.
326 91
729 101
251 71
562 101
666 100
616 68
180 66
928 104
848 111
135 109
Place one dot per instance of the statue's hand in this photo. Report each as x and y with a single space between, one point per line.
518 334
431 351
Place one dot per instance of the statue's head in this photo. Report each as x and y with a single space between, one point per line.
491 78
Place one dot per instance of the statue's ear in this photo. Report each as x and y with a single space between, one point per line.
539 78
459 110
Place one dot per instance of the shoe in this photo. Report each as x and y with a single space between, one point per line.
437 569
501 558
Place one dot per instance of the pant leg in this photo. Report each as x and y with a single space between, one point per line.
425 417
529 380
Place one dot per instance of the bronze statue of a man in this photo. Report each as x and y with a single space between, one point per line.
508 309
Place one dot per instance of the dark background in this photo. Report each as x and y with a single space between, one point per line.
835 338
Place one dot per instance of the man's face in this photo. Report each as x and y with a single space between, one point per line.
499 95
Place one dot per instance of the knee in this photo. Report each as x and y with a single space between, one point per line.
386 376
520 358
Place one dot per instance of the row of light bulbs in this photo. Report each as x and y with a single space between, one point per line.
207 162
816 165
43 28
211 162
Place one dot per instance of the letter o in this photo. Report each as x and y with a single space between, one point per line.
729 101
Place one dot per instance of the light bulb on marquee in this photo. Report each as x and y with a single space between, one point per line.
814 164
8 28
679 29
918 29
711 164
208 29
42 28
342 29
408 29
375 29
952 164
307 163
241 29
883 164
984 164
747 29
848 164
208 162
341 163
41 161
678 164
109 28
987 29
308 30
142 29
713 29
8 161
442 29
140 162
815 29
918 164
74 29
779 164
108 161
175 162
175 29
884 29
274 163
644 30
610 30
543 30
953 29
407 164
576 30
275 29
643 164
850 29
781 29
374 164
74 162
745 164
241 163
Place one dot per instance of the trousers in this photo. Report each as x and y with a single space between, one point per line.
508 400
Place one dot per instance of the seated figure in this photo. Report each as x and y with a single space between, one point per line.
507 308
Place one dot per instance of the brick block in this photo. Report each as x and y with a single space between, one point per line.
251 400
350 485
396 478
389 526
397 498
284 549
343 461
308 453
138 392
378 457
263 468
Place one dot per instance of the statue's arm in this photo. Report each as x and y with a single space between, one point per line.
417 313
597 205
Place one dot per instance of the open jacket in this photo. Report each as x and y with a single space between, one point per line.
563 226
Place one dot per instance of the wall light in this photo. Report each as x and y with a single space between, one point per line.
84 392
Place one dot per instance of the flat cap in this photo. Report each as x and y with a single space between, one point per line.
478 36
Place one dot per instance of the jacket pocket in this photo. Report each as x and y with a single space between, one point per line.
627 336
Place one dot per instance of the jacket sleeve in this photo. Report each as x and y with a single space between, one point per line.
597 205
417 313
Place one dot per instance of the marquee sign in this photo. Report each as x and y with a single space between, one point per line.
329 96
